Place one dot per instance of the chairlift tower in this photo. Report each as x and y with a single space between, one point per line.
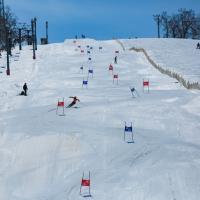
2 20
4 34
47 36
33 37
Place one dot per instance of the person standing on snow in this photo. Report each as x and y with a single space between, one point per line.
75 99
115 59
25 88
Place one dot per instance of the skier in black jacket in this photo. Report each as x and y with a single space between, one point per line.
25 88
115 60
75 99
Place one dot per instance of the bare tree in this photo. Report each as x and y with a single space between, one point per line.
8 25
165 24
173 25
186 18
195 28
185 24
157 19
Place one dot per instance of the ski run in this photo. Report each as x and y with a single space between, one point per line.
50 152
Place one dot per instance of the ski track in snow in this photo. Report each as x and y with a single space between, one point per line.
43 155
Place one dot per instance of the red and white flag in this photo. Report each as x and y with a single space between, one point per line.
61 104
85 182
145 83
115 76
110 67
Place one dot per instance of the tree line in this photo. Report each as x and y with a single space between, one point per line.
11 30
184 24
8 26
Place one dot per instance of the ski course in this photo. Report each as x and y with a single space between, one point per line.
44 154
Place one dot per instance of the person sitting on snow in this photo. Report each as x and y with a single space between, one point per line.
75 99
198 45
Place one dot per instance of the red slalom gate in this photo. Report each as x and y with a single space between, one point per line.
110 68
115 77
145 84
61 105
85 183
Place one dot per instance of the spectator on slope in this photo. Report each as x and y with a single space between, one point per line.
75 99
115 59
25 88
198 45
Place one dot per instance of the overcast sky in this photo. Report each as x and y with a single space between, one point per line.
100 19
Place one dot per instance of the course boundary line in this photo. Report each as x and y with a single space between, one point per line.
178 77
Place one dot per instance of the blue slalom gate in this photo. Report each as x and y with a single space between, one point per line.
128 131
90 71
85 83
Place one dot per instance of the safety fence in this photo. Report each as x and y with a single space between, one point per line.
175 75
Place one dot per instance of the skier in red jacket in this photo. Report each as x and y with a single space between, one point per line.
75 99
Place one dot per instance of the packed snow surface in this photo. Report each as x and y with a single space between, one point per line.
43 154
178 55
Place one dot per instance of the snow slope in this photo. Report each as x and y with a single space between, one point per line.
178 55
43 155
